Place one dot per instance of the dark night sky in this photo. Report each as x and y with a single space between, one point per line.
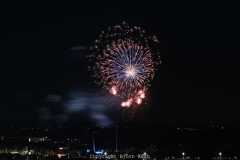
198 80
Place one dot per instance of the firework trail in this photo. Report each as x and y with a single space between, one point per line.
123 61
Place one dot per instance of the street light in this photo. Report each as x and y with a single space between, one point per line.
116 137
105 153
183 155
220 154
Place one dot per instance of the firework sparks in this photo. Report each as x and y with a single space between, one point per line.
113 90
123 62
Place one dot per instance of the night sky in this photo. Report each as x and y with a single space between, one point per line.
43 47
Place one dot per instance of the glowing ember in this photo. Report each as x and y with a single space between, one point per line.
142 95
113 90
139 101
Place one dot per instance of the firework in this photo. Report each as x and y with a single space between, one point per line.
123 61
